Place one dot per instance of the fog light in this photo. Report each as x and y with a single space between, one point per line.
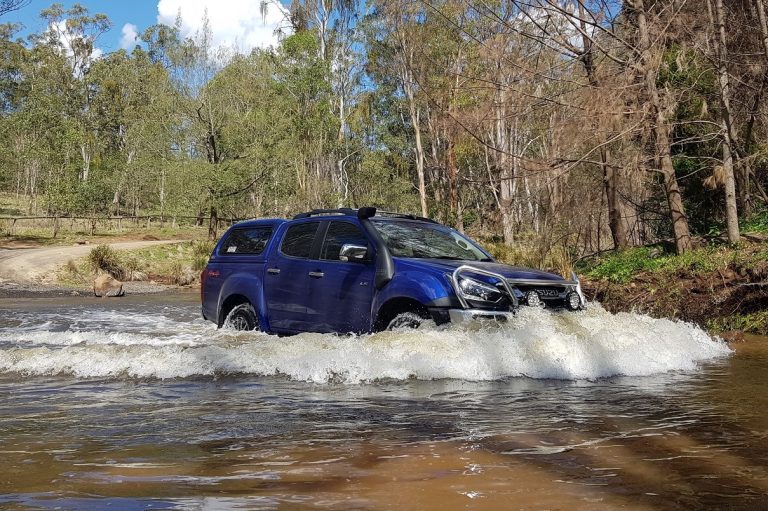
533 299
573 301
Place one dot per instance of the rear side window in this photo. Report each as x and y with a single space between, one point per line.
246 241
298 240
339 234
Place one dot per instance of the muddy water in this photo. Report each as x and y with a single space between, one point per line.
138 404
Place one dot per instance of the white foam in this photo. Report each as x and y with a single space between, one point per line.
538 344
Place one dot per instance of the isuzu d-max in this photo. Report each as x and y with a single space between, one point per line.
362 270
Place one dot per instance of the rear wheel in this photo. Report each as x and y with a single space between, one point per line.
403 320
242 317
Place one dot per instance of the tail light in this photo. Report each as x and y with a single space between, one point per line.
203 275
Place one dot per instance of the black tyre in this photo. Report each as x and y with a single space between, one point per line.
409 320
242 317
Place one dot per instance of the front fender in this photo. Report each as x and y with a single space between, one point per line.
430 290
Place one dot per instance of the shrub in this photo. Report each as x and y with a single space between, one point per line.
201 252
104 258
176 272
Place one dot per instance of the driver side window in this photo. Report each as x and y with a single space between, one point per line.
340 234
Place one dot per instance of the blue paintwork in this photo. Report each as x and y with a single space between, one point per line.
344 299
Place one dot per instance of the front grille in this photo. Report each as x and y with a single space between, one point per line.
545 292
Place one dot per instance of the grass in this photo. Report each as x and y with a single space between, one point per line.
757 223
11 205
171 262
40 232
755 323
621 267
555 259
44 235
174 263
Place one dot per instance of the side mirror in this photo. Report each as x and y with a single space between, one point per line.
354 253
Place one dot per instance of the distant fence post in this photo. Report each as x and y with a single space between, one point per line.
56 226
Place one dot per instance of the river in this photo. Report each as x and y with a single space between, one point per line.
137 403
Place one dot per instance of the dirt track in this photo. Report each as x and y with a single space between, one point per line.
38 265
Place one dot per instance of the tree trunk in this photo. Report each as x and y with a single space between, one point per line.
213 224
615 220
504 162
661 133
453 179
732 216
406 76
611 174
86 163
420 168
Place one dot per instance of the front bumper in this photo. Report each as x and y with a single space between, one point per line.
469 315
552 294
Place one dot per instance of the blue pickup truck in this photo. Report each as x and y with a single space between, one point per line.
359 270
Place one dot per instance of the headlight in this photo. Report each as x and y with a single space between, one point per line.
579 292
476 290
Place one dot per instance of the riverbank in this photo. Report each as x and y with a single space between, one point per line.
33 270
719 287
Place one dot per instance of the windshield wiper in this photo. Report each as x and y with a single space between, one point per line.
450 258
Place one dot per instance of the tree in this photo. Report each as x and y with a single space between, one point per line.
7 6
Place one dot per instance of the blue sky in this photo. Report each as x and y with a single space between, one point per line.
141 13
235 23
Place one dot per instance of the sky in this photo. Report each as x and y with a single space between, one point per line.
236 24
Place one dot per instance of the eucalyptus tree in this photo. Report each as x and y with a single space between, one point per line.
135 108
397 39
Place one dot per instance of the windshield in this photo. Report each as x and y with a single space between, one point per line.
427 241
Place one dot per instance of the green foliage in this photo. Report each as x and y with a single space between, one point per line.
330 116
621 267
757 223
201 252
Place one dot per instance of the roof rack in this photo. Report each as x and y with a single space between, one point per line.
362 213
319 212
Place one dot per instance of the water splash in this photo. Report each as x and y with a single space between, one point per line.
537 344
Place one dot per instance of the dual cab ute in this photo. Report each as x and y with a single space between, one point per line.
359 271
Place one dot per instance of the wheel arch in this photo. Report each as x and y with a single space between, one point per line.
397 305
230 303
240 288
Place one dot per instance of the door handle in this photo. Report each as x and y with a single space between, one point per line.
273 271
316 274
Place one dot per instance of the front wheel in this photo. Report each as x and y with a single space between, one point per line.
242 317
409 320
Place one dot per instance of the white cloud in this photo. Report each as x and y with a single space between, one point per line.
235 24
130 36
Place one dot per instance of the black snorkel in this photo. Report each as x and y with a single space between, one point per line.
385 266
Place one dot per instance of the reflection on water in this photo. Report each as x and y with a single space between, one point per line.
137 405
